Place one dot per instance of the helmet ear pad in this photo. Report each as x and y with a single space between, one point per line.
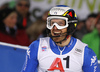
71 28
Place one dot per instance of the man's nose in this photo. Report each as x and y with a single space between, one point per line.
54 27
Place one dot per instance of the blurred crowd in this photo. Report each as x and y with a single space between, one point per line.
16 27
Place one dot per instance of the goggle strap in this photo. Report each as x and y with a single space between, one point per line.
73 21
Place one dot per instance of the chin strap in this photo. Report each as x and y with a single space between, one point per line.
63 34
63 39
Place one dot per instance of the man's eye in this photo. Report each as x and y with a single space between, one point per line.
60 23
52 23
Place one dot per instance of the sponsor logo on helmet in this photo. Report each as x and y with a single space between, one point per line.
57 9
75 24
65 13
75 15
55 13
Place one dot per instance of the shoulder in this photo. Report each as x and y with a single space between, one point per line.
34 44
90 63
89 53
33 49
80 43
44 40
89 56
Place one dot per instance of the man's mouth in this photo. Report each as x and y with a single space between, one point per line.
57 33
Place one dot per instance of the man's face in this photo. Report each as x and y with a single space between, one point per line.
55 31
22 7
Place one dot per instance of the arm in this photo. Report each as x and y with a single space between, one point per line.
90 61
31 62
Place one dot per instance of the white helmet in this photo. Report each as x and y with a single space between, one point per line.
61 12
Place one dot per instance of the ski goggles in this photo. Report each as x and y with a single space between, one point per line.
58 25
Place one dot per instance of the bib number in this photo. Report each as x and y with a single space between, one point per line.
57 64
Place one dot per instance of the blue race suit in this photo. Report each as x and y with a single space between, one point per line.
32 63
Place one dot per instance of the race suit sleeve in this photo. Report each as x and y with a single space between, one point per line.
90 61
31 62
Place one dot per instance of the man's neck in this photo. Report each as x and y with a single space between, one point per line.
65 42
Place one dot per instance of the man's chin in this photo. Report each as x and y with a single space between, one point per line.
56 39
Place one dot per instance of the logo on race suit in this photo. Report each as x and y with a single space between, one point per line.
27 56
44 48
93 60
95 67
56 65
28 52
78 50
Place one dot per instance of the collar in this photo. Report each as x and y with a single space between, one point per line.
69 47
